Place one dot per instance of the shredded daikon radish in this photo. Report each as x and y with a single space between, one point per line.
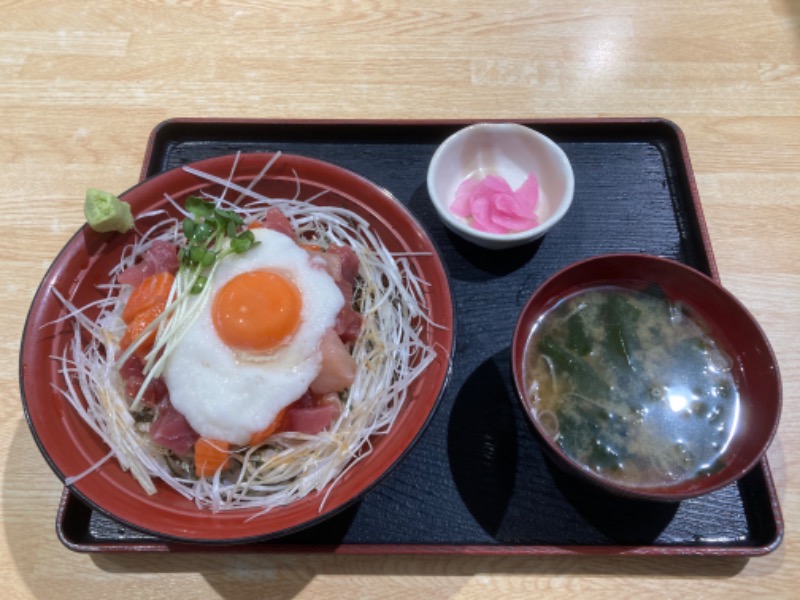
391 352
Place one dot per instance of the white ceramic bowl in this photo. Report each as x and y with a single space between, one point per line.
513 152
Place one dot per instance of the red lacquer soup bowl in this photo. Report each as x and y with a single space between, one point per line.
752 368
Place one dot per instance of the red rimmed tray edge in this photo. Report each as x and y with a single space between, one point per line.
151 546
134 546
588 121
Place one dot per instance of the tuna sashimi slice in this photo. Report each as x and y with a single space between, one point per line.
160 257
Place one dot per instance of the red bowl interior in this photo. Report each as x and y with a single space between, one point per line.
71 447
756 370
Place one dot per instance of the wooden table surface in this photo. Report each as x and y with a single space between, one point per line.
82 84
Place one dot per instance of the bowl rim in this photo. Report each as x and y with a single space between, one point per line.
663 492
463 228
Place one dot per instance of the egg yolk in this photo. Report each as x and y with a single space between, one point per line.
257 311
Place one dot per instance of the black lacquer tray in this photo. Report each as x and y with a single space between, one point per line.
477 482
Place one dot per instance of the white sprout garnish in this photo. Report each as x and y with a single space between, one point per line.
391 352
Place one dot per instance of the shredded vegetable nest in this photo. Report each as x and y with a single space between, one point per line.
390 352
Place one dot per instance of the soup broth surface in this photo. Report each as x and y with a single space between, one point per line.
632 385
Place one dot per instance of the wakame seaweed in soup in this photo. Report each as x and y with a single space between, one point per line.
631 385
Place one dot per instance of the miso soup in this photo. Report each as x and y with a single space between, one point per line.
632 385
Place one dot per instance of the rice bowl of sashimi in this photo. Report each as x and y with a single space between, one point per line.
264 345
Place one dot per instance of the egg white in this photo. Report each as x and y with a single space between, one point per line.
230 395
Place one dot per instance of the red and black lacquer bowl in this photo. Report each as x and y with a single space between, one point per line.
735 330
71 447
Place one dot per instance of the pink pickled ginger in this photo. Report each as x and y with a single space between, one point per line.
490 205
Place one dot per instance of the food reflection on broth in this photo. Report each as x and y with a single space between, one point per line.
632 385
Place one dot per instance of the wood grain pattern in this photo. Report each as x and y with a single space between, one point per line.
83 83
